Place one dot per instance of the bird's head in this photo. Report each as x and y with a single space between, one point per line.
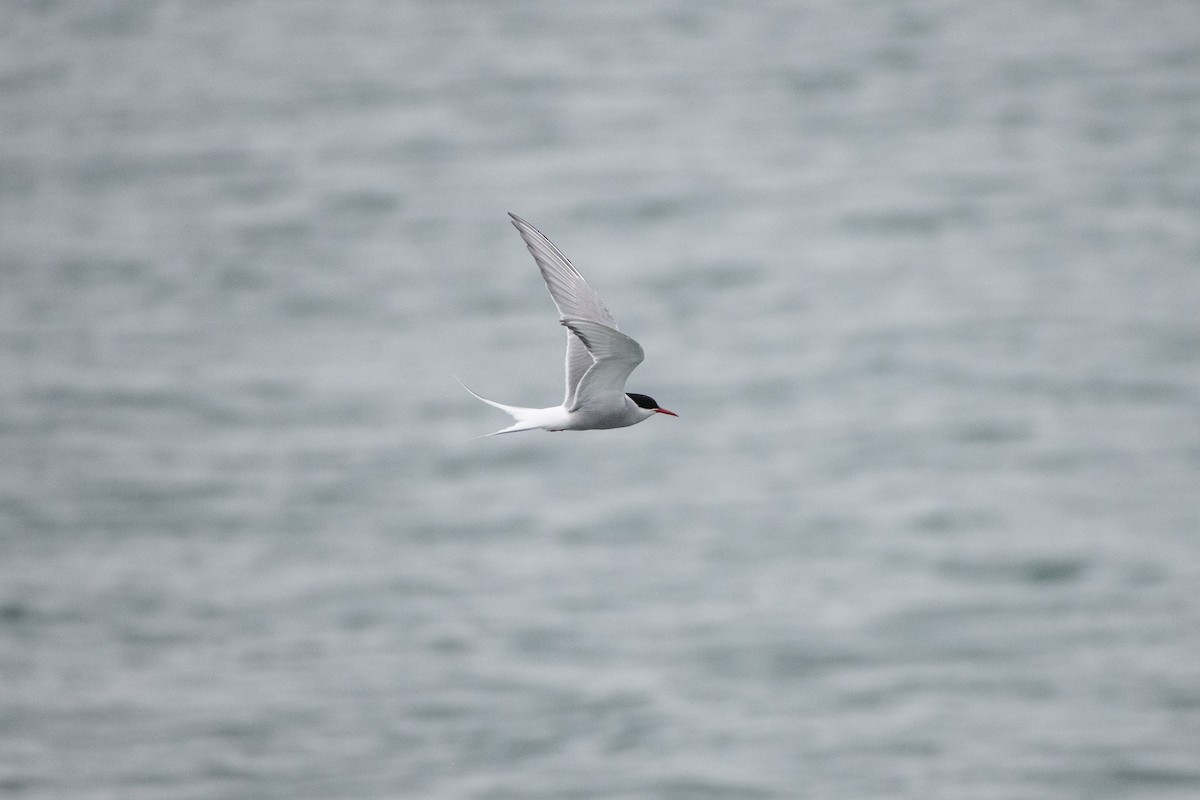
649 403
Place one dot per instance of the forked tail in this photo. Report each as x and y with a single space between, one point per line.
525 417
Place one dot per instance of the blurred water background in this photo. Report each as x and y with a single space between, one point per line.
921 278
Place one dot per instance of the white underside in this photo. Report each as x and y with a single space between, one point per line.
558 418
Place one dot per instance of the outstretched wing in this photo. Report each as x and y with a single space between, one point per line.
572 296
614 355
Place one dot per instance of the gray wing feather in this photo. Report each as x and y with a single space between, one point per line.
615 356
573 297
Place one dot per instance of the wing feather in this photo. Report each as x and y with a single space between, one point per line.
573 297
614 355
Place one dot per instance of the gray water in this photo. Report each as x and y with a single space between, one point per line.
920 278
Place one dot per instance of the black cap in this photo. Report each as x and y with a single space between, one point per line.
643 401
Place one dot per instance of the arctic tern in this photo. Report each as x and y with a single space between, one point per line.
599 356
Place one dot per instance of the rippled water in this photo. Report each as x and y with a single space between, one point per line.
920 278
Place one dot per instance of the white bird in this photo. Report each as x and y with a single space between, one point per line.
599 357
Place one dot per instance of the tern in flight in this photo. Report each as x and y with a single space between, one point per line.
599 357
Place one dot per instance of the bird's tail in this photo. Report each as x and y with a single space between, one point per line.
524 416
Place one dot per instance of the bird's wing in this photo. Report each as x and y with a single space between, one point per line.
572 296
615 355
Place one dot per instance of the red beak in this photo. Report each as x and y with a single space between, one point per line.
664 411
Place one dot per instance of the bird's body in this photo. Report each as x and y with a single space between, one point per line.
599 357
